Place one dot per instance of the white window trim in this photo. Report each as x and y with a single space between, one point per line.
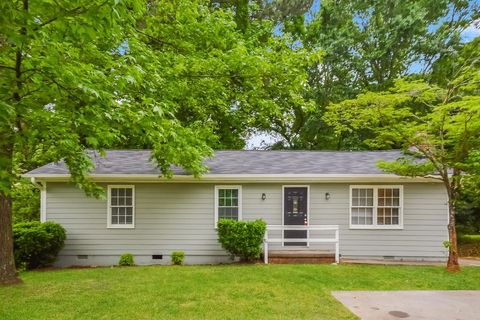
109 210
375 188
218 187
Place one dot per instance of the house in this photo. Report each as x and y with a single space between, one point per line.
312 201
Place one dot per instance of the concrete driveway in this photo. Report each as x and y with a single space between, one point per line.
386 305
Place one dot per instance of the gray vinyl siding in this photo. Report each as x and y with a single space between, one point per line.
168 217
425 222
171 217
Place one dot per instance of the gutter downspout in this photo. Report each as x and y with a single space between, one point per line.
43 198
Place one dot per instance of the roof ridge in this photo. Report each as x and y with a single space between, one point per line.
250 150
285 150
138 161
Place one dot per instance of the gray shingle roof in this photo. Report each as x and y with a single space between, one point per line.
242 162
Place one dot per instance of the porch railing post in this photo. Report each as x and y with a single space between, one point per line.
265 248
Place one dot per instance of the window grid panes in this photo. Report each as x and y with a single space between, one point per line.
228 204
362 206
121 206
388 209
375 206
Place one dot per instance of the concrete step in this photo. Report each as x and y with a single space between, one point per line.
300 256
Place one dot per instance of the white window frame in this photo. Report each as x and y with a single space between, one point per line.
109 207
219 187
375 207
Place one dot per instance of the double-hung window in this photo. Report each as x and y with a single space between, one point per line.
228 203
379 207
121 206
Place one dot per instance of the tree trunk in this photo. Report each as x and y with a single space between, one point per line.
8 273
452 264
7 262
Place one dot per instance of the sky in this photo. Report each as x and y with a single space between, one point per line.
472 31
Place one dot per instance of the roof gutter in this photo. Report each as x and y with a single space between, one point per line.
250 178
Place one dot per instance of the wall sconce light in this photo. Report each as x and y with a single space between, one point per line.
327 196
264 196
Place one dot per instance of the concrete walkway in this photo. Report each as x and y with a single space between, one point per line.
469 262
418 305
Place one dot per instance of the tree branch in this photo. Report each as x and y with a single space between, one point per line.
72 12
159 41
7 67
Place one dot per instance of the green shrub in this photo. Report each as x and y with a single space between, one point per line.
37 244
126 260
178 257
25 201
242 238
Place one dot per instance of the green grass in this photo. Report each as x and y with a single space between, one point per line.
469 238
213 292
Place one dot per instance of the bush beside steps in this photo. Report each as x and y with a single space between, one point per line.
242 239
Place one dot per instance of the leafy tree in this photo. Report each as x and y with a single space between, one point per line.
468 206
439 129
279 11
64 88
174 76
228 80
367 45
25 202
444 71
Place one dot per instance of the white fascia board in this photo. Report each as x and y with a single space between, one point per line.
250 178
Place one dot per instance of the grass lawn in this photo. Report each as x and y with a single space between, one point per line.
212 292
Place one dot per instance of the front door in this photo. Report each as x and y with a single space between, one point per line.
295 212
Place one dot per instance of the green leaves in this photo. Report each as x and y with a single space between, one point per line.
408 167
177 77
242 238
425 120
368 46
37 244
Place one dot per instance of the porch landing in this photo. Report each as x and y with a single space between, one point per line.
300 256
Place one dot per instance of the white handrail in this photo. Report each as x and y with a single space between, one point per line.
308 239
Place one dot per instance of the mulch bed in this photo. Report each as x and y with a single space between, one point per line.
468 247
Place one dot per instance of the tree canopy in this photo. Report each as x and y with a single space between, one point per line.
437 127
178 77
367 46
